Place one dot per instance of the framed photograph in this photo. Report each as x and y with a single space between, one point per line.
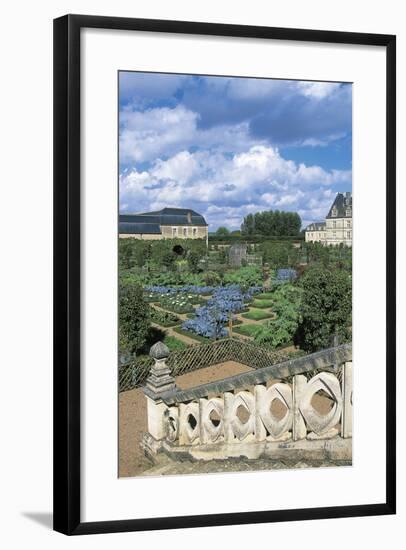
224 303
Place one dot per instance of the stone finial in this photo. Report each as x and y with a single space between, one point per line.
160 379
159 351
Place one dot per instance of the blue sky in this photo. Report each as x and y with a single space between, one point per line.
228 146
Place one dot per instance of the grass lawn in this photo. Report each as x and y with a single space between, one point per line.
257 314
174 344
192 335
262 303
264 296
246 330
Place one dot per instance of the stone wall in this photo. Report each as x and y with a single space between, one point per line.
233 417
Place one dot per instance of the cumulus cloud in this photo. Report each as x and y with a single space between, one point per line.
318 90
164 131
225 188
219 145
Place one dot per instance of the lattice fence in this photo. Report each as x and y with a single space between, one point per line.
196 357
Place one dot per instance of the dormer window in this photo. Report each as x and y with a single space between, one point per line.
348 212
334 212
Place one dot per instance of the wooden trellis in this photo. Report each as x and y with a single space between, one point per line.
199 356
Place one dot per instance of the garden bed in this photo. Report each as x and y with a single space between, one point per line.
257 314
262 304
164 318
246 330
176 304
192 335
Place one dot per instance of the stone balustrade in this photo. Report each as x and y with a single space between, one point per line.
235 416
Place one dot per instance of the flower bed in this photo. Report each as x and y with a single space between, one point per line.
210 320
187 289
177 303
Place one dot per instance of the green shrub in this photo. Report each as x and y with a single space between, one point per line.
286 304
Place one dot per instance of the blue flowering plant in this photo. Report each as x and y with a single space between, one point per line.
226 301
282 276
208 322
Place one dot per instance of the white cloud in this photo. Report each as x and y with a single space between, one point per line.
317 90
162 132
225 188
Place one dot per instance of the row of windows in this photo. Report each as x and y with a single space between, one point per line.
348 223
185 231
334 212
323 235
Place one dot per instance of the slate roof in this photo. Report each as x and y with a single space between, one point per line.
343 205
138 228
316 226
150 222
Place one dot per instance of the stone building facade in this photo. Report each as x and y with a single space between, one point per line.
337 228
168 223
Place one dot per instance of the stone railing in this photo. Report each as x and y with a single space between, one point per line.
268 412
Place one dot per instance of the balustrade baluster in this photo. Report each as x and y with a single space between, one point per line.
299 425
346 385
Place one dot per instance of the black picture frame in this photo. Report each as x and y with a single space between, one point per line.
67 287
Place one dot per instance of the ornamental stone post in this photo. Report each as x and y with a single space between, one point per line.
159 382
160 379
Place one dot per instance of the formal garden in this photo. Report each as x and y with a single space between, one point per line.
279 294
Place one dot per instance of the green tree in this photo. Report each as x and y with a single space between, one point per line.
326 308
272 223
193 259
134 318
222 232
248 226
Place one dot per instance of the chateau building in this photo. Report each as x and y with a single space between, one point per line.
168 223
337 228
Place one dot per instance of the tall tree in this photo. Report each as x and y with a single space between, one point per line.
272 223
222 231
326 308
134 318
